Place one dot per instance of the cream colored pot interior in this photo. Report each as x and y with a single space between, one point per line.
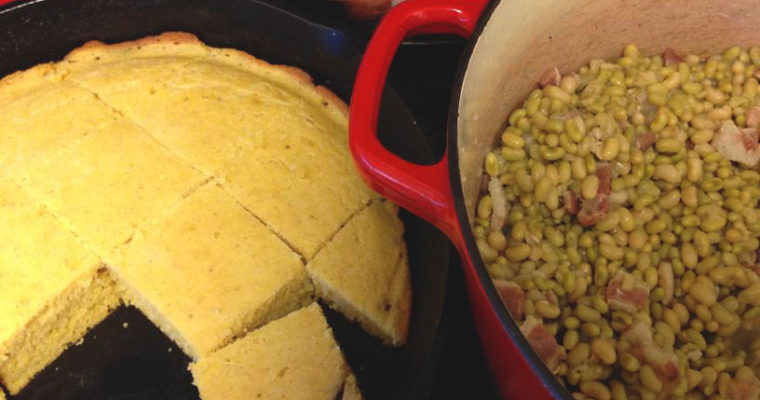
525 37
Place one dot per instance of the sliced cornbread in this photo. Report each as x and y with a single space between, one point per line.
194 183
363 272
351 389
105 179
270 128
39 114
208 271
53 290
295 357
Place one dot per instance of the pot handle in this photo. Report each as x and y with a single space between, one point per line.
422 189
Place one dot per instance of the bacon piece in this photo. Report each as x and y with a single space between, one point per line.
750 141
748 259
512 296
543 342
593 210
643 347
752 117
499 201
626 293
644 141
551 297
737 145
604 173
571 202
550 77
670 57
738 389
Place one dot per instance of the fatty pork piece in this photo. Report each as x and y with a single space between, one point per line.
736 144
543 342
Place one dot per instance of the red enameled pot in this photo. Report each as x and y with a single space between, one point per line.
434 192
511 43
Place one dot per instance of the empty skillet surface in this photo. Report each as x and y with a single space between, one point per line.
125 357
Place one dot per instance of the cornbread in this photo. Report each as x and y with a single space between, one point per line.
351 389
295 357
186 272
49 298
363 272
270 128
116 176
195 184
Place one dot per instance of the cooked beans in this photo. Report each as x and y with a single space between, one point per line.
632 227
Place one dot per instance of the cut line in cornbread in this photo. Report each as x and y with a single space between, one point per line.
363 272
52 114
49 298
271 127
295 357
102 183
208 271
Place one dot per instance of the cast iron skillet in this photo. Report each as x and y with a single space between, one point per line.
125 357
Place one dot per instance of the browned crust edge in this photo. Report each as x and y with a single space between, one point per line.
174 37
163 38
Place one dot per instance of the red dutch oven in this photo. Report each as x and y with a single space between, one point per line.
511 42
437 192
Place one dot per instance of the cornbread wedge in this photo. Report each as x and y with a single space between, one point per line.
49 298
364 274
208 271
351 389
295 357
270 128
99 173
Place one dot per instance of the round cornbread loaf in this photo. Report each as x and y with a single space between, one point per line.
212 190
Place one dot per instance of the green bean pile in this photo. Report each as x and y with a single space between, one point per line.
631 228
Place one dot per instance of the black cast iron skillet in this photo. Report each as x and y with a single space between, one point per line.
125 357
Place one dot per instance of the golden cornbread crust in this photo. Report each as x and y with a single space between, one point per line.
195 183
184 38
189 78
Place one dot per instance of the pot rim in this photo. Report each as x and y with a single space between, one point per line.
547 378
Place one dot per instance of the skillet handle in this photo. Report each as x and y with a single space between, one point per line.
422 189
